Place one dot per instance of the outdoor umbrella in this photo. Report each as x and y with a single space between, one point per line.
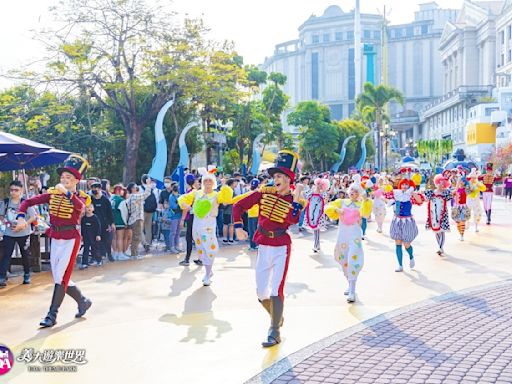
16 161
10 143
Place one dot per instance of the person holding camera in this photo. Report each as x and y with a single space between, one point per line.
12 237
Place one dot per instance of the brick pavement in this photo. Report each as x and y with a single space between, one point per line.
464 338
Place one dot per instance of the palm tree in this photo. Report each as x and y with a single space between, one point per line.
373 101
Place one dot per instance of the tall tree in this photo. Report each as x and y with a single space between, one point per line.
372 103
319 136
128 55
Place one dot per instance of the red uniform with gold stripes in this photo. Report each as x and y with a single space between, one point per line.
65 214
276 214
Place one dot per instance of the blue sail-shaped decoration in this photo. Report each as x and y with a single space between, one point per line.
184 157
157 171
256 157
362 159
343 152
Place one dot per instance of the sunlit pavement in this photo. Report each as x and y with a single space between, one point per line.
153 321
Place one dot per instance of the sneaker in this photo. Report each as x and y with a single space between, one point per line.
139 257
198 262
147 247
26 278
3 282
316 250
412 263
231 242
123 257
173 251
225 242
98 263
184 263
207 280
127 254
399 269
351 297
111 258
461 238
83 266
179 250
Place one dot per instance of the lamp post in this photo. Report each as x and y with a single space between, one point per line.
385 136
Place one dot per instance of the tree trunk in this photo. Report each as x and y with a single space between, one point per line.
133 134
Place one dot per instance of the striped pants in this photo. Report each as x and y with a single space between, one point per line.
403 229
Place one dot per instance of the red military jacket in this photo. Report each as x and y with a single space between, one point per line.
276 212
488 180
64 211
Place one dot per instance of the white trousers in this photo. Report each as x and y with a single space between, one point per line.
62 260
487 198
271 268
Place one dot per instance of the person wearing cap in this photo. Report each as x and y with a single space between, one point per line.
488 180
66 208
438 219
403 226
278 210
103 211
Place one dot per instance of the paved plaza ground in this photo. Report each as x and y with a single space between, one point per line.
153 321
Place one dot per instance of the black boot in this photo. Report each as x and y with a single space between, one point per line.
51 318
83 303
267 304
489 216
274 336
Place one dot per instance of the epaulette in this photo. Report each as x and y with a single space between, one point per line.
54 191
266 189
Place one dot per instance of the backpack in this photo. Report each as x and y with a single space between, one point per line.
150 204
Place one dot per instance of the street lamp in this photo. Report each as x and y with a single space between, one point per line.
386 135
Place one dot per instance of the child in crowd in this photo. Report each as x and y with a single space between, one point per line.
91 235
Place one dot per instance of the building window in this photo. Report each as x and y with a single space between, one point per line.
509 32
367 34
509 56
338 36
350 35
351 75
314 76
376 35
315 39
502 61
502 37
409 31
336 111
327 37
424 29
397 33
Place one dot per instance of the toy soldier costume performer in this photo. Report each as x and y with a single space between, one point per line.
278 209
488 180
66 207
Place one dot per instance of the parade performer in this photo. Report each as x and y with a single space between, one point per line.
461 212
437 210
488 180
379 204
348 251
278 209
403 226
473 197
66 208
317 197
204 203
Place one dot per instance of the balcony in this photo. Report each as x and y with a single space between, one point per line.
467 93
